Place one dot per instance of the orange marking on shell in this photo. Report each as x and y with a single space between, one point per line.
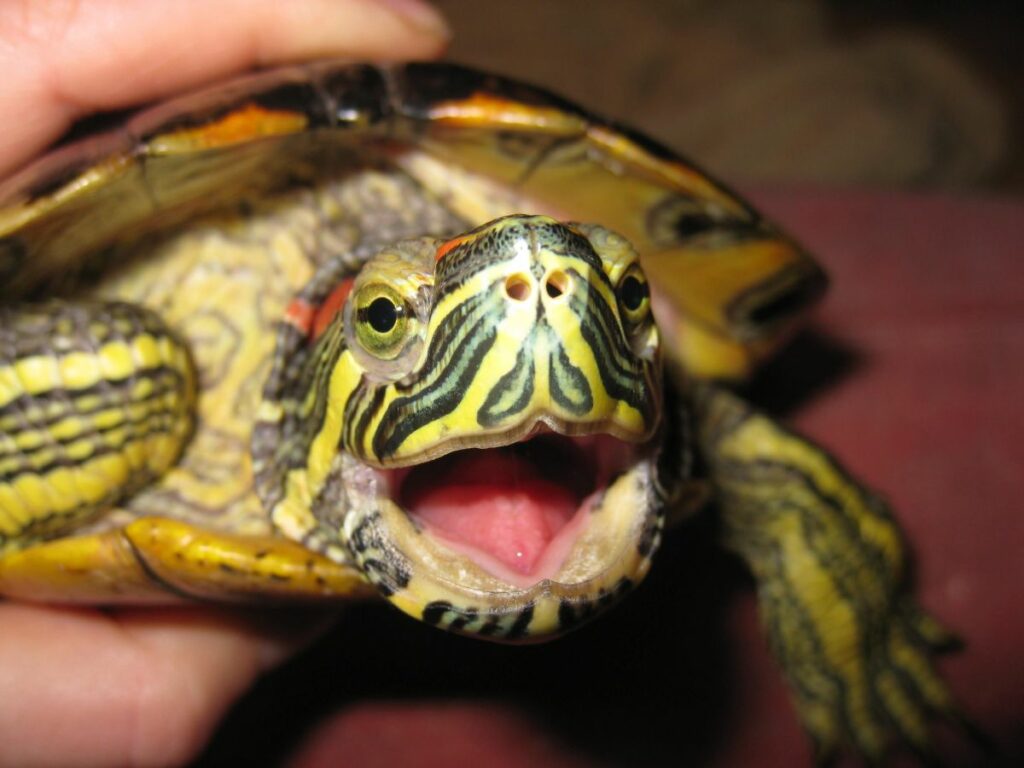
482 109
329 309
243 124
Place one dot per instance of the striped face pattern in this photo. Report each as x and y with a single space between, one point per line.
523 331
477 425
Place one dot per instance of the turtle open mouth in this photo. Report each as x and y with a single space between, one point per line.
516 511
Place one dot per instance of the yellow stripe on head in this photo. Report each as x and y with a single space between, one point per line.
525 326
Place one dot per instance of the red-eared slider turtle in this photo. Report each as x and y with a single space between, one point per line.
345 330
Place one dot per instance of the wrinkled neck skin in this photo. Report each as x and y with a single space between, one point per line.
489 446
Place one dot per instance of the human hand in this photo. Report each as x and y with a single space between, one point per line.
63 60
138 686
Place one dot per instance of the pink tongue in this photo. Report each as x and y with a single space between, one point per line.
493 501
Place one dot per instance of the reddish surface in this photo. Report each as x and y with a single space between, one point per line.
495 502
914 376
326 312
391 735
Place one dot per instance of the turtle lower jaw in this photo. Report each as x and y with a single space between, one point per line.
433 565
515 511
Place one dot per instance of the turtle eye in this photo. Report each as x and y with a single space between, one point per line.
382 314
381 320
634 296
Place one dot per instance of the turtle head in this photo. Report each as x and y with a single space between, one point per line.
498 401
521 327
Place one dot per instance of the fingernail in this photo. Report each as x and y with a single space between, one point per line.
421 15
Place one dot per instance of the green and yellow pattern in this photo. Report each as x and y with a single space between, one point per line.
203 397
96 401
475 342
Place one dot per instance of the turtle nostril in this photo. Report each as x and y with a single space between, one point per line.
517 287
557 284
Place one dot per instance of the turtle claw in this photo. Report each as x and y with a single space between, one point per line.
930 631
887 694
893 695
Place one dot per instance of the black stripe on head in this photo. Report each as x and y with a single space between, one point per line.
569 244
569 387
475 255
618 367
364 402
456 355
516 383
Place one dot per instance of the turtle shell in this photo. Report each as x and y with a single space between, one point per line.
215 209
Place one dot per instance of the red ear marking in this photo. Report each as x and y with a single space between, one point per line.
446 247
300 315
330 307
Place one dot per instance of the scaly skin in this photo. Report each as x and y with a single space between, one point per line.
96 402
828 558
517 326
454 151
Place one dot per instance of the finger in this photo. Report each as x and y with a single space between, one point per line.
137 687
62 60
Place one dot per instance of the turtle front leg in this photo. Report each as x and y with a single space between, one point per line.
829 560
96 401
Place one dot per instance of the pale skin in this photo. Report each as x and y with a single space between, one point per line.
148 686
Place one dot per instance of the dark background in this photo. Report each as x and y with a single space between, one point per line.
896 93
